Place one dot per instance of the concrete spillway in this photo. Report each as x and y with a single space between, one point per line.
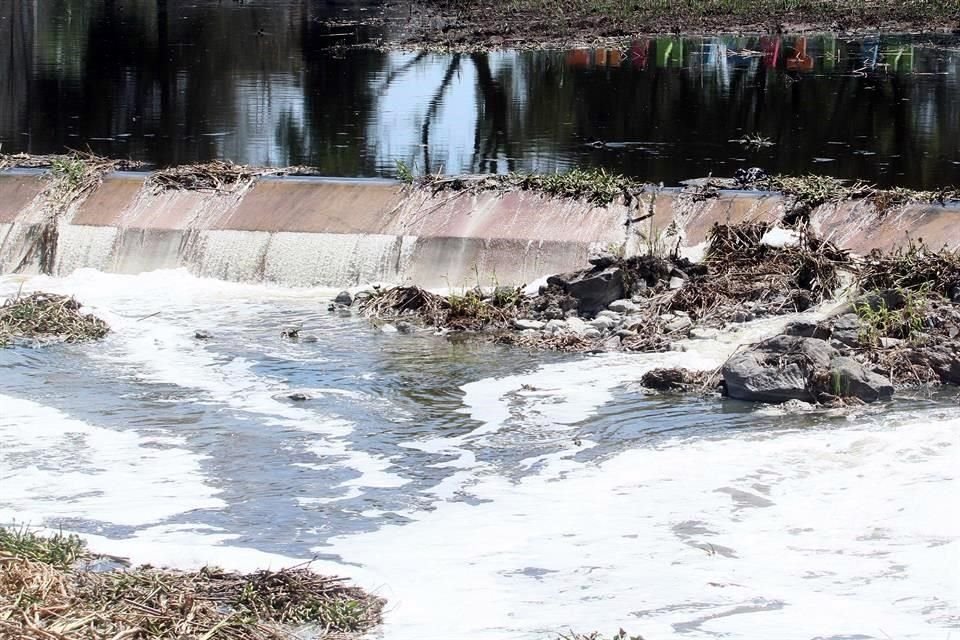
338 233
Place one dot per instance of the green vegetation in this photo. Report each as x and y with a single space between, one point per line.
810 191
46 316
57 550
404 172
43 595
903 322
755 141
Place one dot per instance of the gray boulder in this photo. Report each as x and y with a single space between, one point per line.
777 370
796 368
593 289
849 379
344 298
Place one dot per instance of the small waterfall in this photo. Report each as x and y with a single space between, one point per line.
316 232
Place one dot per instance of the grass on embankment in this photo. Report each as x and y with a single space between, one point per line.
46 593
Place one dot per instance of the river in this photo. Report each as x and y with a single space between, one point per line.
485 491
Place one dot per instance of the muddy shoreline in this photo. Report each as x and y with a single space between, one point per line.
452 25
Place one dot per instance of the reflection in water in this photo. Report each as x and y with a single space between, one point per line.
170 81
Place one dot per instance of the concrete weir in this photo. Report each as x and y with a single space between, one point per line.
339 232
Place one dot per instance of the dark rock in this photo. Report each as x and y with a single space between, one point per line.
807 329
742 316
955 294
200 334
802 299
405 327
670 379
593 289
845 329
298 396
344 298
553 312
943 359
603 260
849 379
890 299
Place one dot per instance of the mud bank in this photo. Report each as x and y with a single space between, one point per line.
299 231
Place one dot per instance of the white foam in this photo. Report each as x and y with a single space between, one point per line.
53 466
789 535
161 349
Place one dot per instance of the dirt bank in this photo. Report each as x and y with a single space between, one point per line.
455 24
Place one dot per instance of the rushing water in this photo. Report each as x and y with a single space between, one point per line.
175 81
487 492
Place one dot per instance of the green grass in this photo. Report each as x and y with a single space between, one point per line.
57 550
903 323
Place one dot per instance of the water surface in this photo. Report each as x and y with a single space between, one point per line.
278 83
485 491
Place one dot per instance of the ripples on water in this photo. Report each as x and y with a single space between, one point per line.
487 492
273 83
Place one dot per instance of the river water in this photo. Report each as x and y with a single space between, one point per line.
485 491
275 82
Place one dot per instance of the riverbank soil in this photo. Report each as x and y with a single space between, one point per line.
543 23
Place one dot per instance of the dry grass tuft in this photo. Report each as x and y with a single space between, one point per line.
470 311
743 269
912 267
55 601
217 176
47 316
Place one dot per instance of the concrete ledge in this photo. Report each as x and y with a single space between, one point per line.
328 232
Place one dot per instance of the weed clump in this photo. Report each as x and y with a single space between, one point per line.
471 310
912 267
57 550
742 269
43 595
594 186
46 316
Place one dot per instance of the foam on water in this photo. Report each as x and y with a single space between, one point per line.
161 349
843 529
54 467
820 533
